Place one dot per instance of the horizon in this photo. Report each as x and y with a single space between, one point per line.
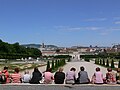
64 23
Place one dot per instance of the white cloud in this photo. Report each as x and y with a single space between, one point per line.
115 29
117 22
100 30
67 28
96 19
116 18
104 33
93 28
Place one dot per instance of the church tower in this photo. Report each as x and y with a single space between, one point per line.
43 45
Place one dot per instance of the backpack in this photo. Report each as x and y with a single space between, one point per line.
3 78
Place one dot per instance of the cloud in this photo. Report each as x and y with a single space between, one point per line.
117 22
68 28
95 19
104 33
93 28
115 29
116 18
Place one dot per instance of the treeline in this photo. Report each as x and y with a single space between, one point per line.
55 64
107 55
16 51
107 63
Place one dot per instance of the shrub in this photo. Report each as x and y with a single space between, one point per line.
119 64
112 64
107 63
48 65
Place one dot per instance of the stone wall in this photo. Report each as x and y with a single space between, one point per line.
58 87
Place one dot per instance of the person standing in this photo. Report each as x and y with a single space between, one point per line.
59 76
36 76
83 76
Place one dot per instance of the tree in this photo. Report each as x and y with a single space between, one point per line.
56 64
48 65
112 64
97 61
100 62
53 67
69 59
103 62
107 63
119 64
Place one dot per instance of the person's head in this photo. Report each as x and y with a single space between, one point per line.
26 72
49 70
17 70
82 68
118 70
36 69
72 69
109 69
5 68
97 69
60 69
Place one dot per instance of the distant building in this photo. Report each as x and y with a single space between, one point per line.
47 51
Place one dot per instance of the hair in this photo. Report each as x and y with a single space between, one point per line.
36 69
82 68
49 70
109 69
26 72
60 69
5 67
97 69
17 70
118 69
72 69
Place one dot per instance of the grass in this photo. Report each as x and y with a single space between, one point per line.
22 67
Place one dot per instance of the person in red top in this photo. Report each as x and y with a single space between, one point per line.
7 75
16 77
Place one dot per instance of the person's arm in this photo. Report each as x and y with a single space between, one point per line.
79 75
64 76
55 75
20 78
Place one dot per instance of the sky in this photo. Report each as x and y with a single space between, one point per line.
60 22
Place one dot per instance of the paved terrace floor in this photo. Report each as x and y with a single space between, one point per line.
58 87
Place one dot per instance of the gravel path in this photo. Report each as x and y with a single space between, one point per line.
89 67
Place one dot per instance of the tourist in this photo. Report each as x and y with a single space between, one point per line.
26 77
110 76
83 76
118 76
97 78
48 76
36 76
16 76
6 74
70 76
59 76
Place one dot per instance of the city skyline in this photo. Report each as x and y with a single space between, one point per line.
60 22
